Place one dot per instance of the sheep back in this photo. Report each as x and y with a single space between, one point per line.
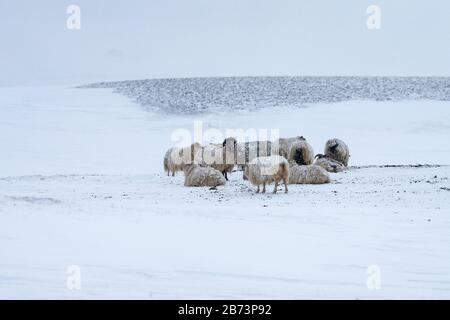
247 151
329 164
197 176
310 174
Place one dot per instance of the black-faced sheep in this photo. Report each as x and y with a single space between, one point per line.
219 156
328 164
284 145
301 152
310 174
265 170
197 176
175 158
337 149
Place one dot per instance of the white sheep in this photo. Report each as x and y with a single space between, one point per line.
310 174
328 164
175 158
219 156
249 150
198 176
337 149
265 170
301 152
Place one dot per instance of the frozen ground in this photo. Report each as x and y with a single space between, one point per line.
145 236
81 183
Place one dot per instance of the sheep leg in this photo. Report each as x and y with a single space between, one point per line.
264 187
225 175
276 186
257 190
285 185
173 173
168 172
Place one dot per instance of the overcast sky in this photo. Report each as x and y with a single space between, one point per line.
130 39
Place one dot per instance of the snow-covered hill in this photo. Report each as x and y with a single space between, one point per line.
200 95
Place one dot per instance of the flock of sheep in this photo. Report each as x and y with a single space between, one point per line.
290 160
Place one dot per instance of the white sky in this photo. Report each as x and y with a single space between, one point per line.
130 39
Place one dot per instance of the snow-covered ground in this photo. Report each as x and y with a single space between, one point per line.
81 183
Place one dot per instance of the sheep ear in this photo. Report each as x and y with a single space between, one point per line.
224 143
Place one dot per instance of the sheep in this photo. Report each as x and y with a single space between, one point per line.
301 152
198 176
219 156
310 174
284 145
328 164
337 150
265 170
175 158
168 163
247 151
